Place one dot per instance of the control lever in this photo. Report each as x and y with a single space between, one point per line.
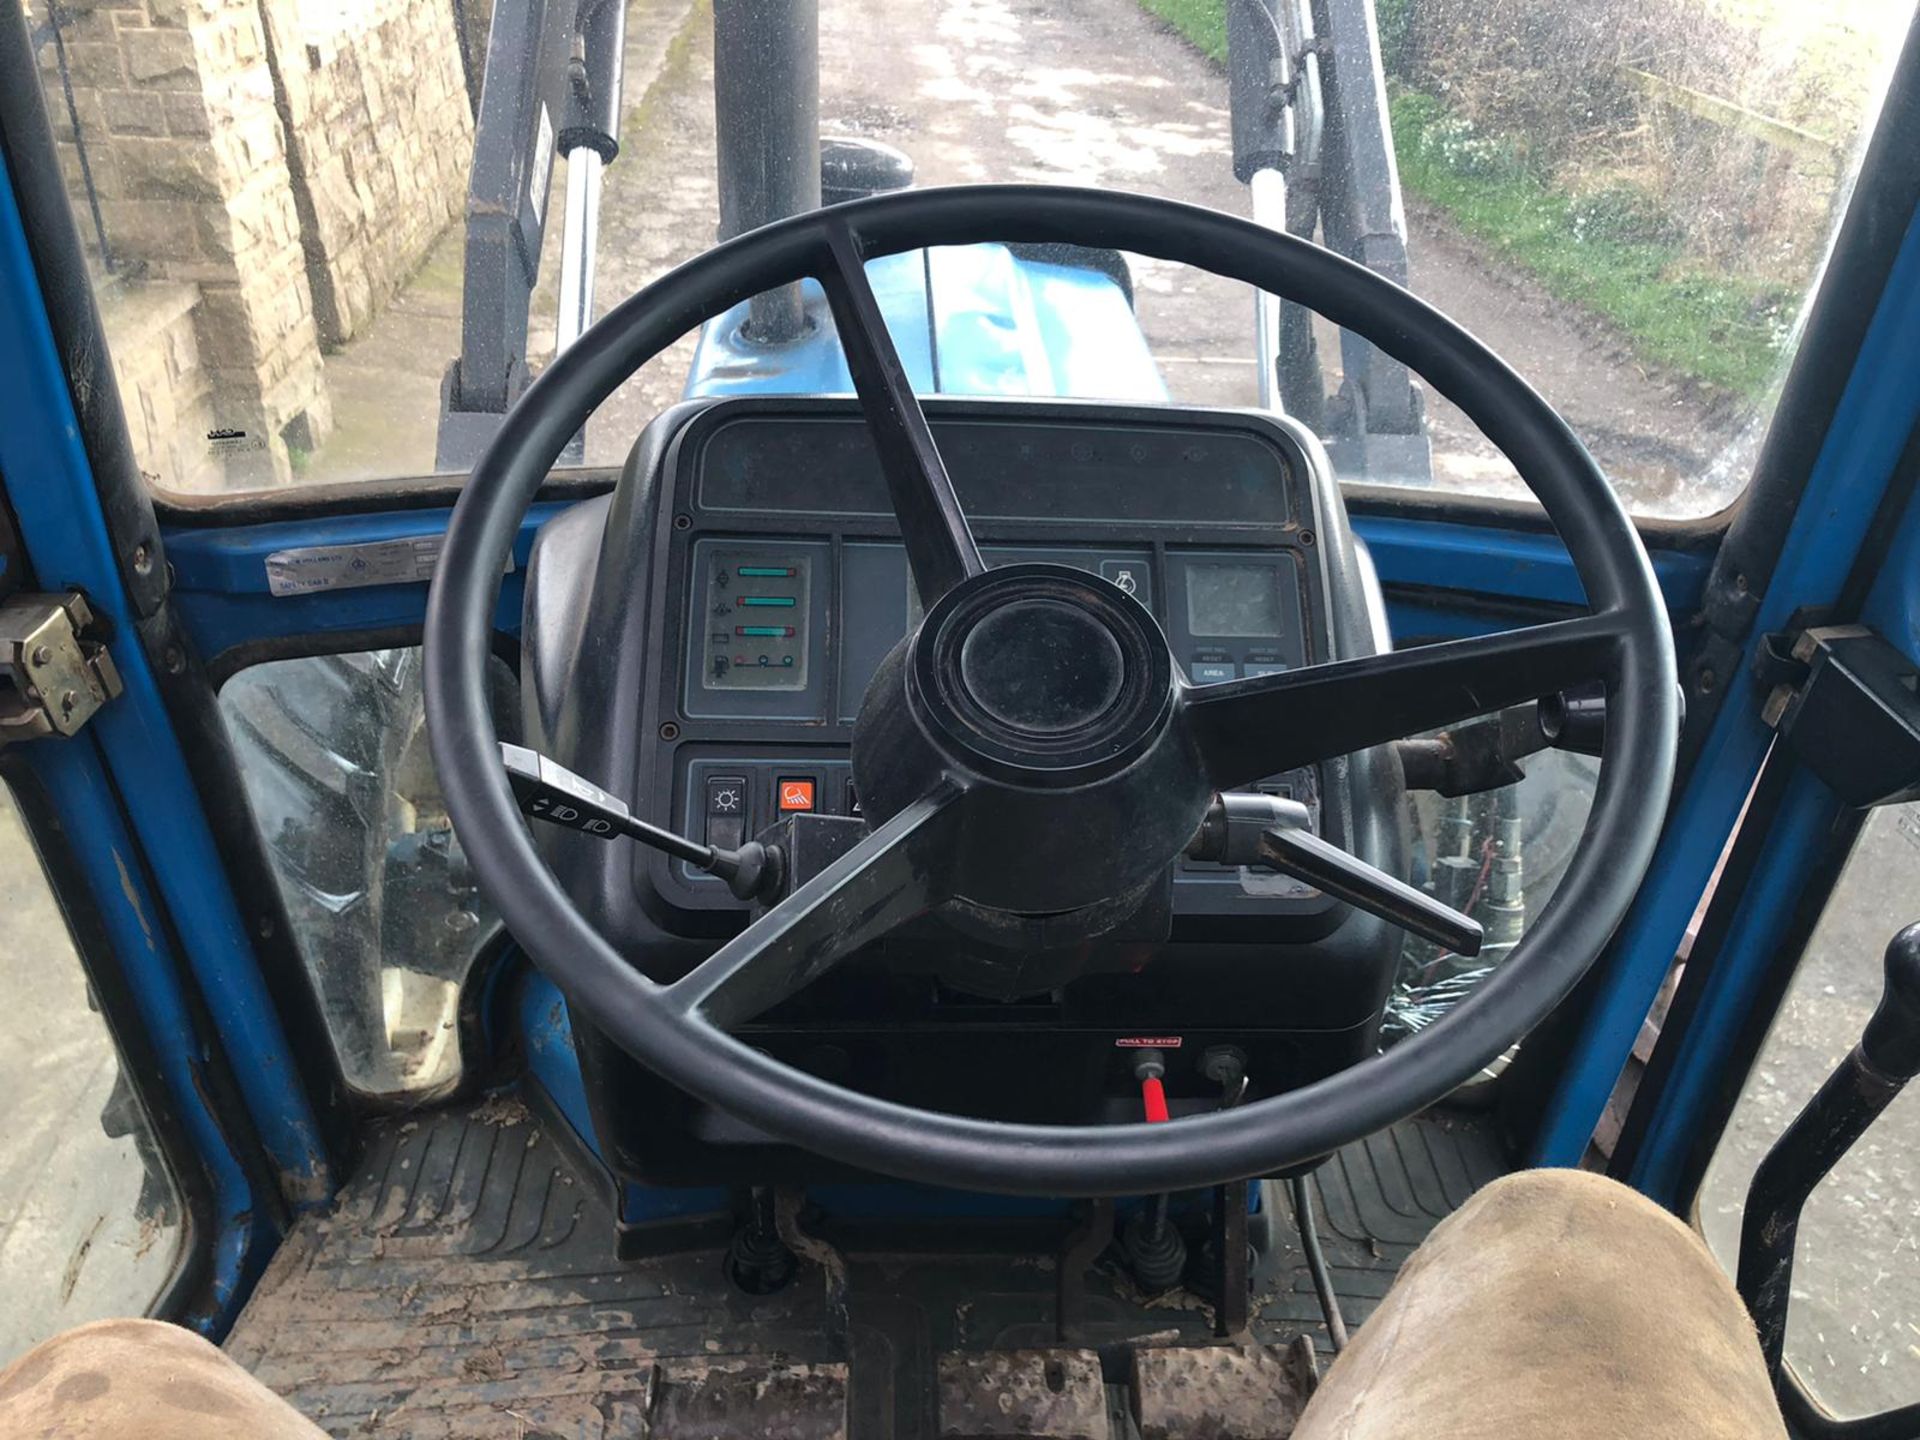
1247 828
553 793
1873 1073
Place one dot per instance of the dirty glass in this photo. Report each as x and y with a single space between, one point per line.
1853 1330
386 914
1497 856
90 1223
1630 200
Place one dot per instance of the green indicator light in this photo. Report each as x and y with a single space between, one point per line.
782 602
764 632
764 572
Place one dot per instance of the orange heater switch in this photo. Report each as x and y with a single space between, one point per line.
795 795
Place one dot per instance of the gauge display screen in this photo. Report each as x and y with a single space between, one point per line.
757 615
1234 600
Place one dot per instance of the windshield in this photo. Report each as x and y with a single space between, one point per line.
329 245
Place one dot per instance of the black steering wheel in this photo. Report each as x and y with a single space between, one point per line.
1030 748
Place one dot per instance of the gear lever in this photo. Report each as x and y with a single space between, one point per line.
1248 828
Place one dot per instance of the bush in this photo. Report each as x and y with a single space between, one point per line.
1548 76
1394 20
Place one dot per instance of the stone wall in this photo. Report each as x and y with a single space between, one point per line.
286 163
176 110
165 387
374 97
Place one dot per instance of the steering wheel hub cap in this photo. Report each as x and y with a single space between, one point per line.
1041 667
1037 675
1051 693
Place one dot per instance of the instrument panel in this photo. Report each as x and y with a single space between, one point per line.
1230 614
758 605
757 531
785 586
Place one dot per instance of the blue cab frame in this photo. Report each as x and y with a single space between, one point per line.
206 997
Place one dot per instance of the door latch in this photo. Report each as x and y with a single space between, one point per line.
54 669
1849 705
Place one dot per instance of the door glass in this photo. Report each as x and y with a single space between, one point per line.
333 752
90 1226
1853 1325
1497 856
1630 200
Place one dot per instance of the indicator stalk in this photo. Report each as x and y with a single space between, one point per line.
551 792
1244 828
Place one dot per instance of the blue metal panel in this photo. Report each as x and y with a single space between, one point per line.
1799 830
81 795
1876 415
1893 608
555 1067
220 578
547 1030
1087 330
1005 326
1807 813
1508 564
50 484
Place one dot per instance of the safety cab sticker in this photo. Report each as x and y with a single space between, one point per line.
1148 1042
347 567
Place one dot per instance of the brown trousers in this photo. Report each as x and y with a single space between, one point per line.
139 1380
1559 1305
1554 1306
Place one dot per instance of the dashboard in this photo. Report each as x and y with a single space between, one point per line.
789 591
700 642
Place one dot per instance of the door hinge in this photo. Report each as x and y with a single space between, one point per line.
1849 705
54 669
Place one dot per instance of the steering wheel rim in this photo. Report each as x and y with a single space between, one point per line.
1259 1138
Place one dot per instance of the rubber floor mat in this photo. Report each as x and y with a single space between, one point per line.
466 1284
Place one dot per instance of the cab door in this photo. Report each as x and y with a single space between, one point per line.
161 1125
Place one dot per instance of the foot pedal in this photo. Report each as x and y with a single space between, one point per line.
1230 1392
734 1399
1036 1394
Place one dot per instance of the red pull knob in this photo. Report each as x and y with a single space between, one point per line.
1154 1095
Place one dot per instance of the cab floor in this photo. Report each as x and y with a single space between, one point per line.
466 1284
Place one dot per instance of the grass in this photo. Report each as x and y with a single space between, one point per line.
1613 254
1203 22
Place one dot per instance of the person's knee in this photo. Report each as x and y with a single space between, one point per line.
1553 1300
145 1378
121 1341
1575 1214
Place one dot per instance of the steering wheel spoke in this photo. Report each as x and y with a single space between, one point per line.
940 546
899 872
1247 729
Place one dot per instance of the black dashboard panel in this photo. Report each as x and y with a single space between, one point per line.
1004 467
756 532
789 589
